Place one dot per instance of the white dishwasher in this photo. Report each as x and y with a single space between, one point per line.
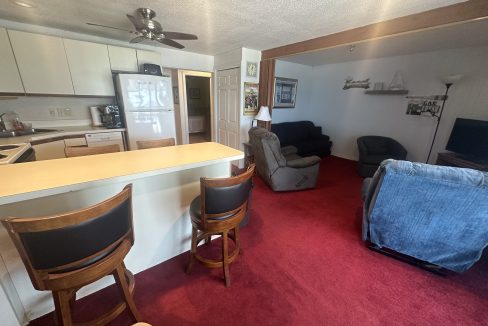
105 138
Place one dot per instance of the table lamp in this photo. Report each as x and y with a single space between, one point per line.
263 117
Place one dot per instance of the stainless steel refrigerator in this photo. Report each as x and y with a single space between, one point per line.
147 105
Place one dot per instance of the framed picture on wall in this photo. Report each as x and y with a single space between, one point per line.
251 94
285 93
194 93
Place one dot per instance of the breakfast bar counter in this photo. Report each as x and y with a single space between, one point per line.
165 180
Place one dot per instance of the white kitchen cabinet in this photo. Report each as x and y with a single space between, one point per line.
50 150
123 59
90 68
10 81
42 63
144 56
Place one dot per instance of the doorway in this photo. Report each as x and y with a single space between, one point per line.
198 109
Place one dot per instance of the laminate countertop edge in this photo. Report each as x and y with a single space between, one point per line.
16 193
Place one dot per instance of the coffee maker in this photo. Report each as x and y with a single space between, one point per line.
110 116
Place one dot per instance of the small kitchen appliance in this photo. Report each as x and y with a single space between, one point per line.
110 115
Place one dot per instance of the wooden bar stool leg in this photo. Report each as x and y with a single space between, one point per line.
237 240
225 257
193 250
123 286
62 308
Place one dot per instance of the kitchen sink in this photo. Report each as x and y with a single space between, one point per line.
33 131
6 134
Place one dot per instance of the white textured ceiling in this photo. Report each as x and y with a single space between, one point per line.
221 25
463 35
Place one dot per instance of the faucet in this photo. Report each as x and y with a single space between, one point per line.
2 123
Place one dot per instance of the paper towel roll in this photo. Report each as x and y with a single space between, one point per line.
95 115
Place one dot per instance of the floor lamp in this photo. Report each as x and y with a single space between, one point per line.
448 82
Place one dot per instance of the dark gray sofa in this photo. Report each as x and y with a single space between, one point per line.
305 136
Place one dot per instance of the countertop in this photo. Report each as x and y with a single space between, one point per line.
43 178
61 131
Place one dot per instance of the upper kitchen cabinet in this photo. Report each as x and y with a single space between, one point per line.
90 68
9 74
123 59
42 63
149 57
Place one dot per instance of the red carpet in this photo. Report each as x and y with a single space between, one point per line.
304 264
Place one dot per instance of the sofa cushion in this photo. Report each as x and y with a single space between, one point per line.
315 132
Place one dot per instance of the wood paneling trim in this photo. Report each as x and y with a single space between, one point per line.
457 13
266 87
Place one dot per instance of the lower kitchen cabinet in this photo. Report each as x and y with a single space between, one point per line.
80 141
50 150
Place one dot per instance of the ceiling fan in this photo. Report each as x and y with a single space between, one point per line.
149 29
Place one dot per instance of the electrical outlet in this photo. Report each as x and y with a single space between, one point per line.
67 112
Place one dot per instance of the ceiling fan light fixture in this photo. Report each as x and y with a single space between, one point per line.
23 4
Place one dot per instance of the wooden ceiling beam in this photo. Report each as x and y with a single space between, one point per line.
457 13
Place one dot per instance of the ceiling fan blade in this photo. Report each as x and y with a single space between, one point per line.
119 29
137 39
179 36
171 43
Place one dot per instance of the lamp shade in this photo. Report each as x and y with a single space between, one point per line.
263 114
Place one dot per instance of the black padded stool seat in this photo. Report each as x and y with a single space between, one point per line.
220 208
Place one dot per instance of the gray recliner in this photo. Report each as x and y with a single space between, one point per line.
281 168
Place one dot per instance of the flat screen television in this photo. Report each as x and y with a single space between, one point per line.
469 138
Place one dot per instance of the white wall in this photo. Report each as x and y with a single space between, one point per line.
37 110
303 105
348 114
248 55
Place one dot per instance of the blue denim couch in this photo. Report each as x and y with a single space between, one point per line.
437 214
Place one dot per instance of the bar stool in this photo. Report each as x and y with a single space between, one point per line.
72 151
219 209
144 144
67 251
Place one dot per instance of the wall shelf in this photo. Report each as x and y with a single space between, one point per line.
387 92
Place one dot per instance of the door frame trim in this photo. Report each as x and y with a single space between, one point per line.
182 74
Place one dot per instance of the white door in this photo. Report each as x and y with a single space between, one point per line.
228 107
149 125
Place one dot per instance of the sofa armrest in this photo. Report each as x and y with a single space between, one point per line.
287 150
303 162
365 188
